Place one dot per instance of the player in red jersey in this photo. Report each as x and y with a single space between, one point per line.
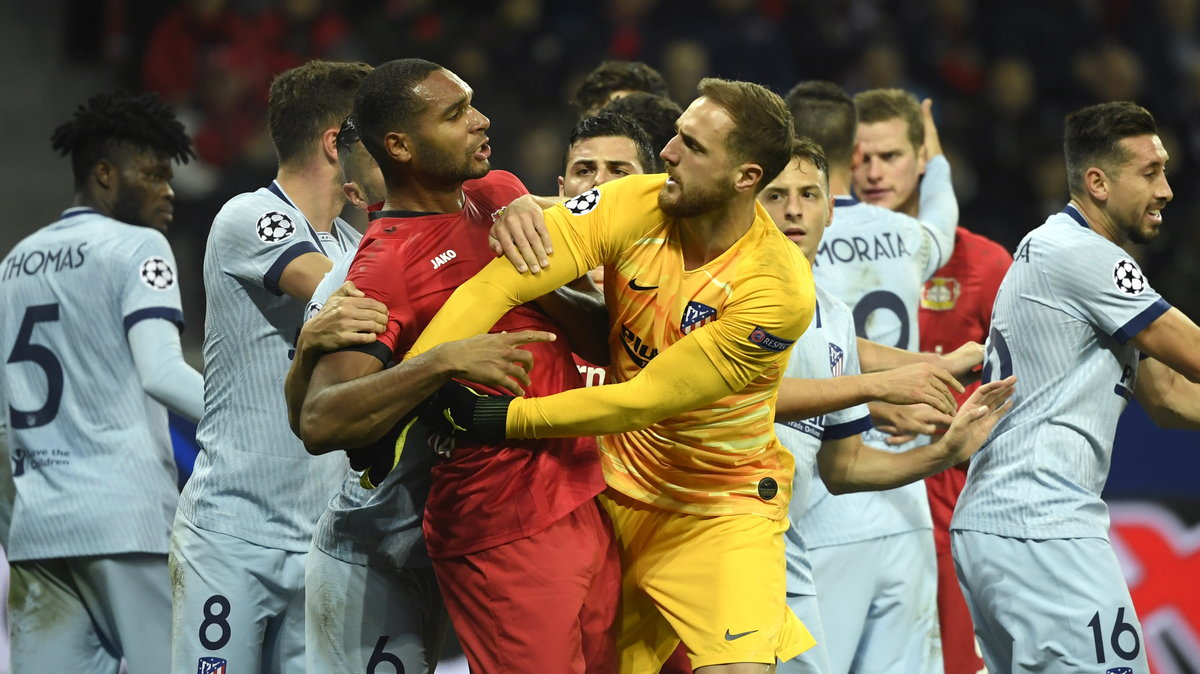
956 308
523 555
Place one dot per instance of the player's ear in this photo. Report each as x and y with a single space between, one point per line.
748 177
560 187
398 146
355 196
329 144
1095 181
106 174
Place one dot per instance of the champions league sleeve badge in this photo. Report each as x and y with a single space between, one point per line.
157 273
274 227
584 203
1128 278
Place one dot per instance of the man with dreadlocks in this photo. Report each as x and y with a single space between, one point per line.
89 329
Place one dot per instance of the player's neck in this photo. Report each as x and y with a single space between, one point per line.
315 190
96 202
424 196
839 181
704 237
1098 221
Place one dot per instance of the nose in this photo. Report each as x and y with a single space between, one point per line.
793 212
873 169
168 192
482 123
669 152
1164 191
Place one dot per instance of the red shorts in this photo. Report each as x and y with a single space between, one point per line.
959 654
544 603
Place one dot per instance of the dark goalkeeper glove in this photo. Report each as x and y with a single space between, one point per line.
470 417
375 461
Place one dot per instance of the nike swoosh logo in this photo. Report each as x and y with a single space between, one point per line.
633 285
735 637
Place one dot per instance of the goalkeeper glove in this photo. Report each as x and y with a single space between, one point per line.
466 415
374 462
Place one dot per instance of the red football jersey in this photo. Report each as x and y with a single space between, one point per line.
956 308
486 496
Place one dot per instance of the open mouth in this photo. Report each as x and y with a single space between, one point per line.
484 151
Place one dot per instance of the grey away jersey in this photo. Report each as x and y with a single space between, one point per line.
91 453
1062 322
253 479
877 261
381 524
827 349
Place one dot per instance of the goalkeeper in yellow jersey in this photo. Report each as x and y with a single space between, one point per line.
705 297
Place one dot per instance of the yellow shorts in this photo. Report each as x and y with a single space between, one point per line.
716 583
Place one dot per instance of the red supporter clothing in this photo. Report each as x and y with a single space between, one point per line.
956 308
486 496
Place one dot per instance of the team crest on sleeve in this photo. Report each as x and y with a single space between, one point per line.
274 227
584 203
837 360
696 315
768 341
157 273
1128 278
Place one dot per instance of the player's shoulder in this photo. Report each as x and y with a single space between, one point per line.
629 190
271 218
861 214
978 244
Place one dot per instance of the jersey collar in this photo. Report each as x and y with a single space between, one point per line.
1073 211
845 200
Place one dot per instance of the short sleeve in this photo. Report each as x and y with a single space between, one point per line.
373 271
255 245
756 329
1099 283
853 420
150 281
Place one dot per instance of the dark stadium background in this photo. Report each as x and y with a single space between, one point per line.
1002 75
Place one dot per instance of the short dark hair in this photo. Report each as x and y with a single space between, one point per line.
108 121
762 131
308 99
825 113
882 105
807 149
1093 134
612 76
608 124
388 101
657 115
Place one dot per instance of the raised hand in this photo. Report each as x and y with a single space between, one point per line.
520 235
349 318
976 419
918 383
494 360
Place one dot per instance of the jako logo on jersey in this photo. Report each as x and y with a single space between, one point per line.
157 273
211 665
274 227
837 360
940 294
768 341
1128 277
583 203
443 258
695 315
640 352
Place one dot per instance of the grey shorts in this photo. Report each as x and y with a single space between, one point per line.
236 604
1057 605
358 616
82 614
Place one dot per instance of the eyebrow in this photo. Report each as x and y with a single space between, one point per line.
458 103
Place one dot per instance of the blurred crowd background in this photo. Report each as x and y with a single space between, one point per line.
1002 75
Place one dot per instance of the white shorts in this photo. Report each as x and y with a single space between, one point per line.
82 614
236 604
814 660
878 601
358 615
1058 605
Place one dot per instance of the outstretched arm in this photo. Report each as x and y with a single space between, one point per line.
847 465
912 384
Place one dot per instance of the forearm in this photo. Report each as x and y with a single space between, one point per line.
863 468
164 374
875 357
580 311
938 206
476 306
1170 399
295 385
361 410
806 398
677 380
